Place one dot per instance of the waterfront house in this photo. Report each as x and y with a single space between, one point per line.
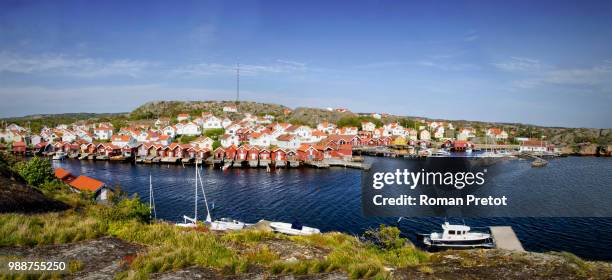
241 153
461 145
264 155
497 133
219 153
98 188
399 140
307 152
537 146
63 175
253 153
278 155
230 153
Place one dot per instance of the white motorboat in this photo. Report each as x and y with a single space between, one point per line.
458 236
468 150
59 155
293 229
440 153
227 224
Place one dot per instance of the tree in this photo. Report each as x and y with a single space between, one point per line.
36 171
214 133
216 145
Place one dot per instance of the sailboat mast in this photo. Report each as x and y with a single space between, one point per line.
195 216
150 196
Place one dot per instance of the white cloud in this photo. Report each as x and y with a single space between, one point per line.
519 64
60 64
206 69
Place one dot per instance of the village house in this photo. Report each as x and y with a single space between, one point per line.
533 146
226 122
260 139
183 117
212 122
163 140
466 133
99 189
393 129
496 133
203 143
232 128
170 131
326 127
301 131
162 122
317 136
228 140
123 140
368 126
350 130
103 132
287 141
188 129
68 136
376 116
230 109
425 135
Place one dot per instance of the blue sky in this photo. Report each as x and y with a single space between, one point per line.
546 62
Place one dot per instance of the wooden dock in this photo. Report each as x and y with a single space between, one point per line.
506 239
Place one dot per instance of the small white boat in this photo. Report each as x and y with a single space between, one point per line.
440 153
468 151
187 222
227 224
458 236
59 156
293 229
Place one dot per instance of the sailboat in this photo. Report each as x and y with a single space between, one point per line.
188 221
152 211
223 223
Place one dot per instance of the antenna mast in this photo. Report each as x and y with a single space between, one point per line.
237 83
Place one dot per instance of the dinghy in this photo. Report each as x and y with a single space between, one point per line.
293 229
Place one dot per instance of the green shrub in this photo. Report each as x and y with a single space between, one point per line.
35 171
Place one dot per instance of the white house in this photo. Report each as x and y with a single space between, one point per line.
287 141
302 131
425 135
533 146
123 141
170 131
497 133
226 122
212 122
203 143
376 116
260 139
368 126
350 130
103 132
230 109
228 140
189 129
326 127
69 136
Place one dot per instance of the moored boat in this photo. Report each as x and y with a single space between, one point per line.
458 237
59 155
293 229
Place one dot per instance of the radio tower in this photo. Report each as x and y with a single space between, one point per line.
237 84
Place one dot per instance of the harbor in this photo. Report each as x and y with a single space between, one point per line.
302 194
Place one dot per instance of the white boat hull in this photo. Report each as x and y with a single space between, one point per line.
287 228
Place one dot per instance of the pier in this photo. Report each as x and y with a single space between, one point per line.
506 239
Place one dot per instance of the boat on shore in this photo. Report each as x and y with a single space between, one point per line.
293 229
458 237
